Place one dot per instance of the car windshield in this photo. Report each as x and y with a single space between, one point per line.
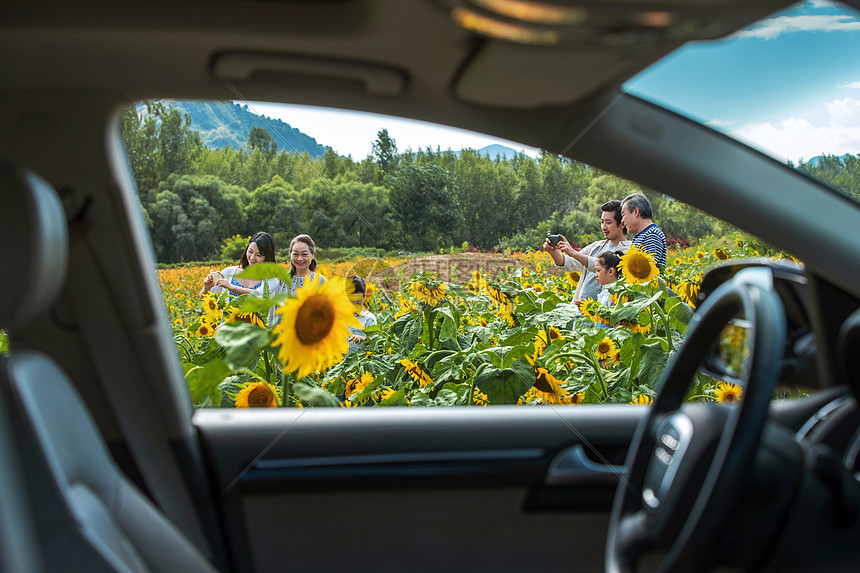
462 249
788 85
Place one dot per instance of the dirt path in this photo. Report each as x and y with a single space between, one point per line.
450 268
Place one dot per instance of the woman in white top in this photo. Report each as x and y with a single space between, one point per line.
261 248
302 266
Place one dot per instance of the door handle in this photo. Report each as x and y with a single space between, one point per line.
572 466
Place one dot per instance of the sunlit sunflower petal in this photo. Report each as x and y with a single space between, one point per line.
728 393
313 331
256 395
637 266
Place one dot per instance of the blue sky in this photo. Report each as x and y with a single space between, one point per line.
789 85
353 133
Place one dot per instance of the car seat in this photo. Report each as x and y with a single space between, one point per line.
88 516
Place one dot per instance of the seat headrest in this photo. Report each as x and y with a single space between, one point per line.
34 245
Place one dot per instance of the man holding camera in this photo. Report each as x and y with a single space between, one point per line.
583 261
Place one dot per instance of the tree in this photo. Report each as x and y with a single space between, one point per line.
260 138
191 215
424 201
274 208
385 151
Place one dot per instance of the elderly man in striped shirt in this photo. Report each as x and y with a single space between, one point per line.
636 215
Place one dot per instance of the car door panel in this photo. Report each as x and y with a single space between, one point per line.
461 488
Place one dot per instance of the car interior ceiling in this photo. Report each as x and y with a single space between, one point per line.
57 107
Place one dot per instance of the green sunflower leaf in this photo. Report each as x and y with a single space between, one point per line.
504 386
314 396
203 380
262 271
241 341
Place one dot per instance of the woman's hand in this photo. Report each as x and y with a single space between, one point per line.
356 338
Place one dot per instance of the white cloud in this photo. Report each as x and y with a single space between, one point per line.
774 27
820 4
795 138
850 85
719 123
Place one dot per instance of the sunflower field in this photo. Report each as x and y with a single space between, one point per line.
517 339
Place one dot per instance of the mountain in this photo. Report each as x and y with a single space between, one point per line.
224 123
815 160
495 150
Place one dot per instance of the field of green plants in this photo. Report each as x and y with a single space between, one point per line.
517 339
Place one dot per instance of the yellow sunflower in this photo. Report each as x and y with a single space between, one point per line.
546 387
206 329
314 325
256 395
406 306
605 348
728 393
416 372
430 295
234 315
479 398
541 340
739 243
177 322
641 328
210 305
638 267
689 292
642 400
369 292
576 398
356 385
386 393
589 308
721 254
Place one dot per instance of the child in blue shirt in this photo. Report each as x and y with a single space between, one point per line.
606 272
365 317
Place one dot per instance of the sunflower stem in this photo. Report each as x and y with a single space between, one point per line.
286 390
665 320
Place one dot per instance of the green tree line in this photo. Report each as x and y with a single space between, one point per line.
195 199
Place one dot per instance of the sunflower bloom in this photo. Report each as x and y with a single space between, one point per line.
548 387
541 339
589 308
728 393
356 385
605 349
416 372
206 329
386 393
576 398
427 294
642 400
256 395
638 267
314 325
721 254
370 291
479 398
234 315
210 305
